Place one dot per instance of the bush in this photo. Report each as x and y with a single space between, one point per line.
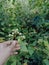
30 19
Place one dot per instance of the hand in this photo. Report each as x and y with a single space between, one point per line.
6 49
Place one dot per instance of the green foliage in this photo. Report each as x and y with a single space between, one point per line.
28 22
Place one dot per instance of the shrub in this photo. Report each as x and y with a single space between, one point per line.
30 19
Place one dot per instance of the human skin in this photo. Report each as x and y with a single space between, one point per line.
8 48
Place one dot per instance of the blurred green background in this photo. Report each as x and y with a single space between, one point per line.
31 18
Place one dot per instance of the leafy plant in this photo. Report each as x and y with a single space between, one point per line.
28 22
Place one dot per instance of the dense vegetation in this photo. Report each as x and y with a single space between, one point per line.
28 22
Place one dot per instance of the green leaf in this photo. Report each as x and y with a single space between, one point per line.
46 62
14 63
30 50
23 46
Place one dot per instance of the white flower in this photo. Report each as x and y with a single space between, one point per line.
10 35
13 30
16 30
23 37
20 33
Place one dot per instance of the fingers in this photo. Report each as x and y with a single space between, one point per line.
13 44
16 49
8 43
14 53
13 47
17 46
